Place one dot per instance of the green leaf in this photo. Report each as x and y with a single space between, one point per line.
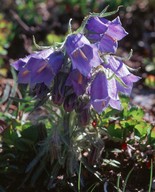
111 162
103 14
5 94
125 102
38 46
31 133
10 136
53 38
115 131
142 128
21 100
23 144
128 123
153 132
38 172
136 113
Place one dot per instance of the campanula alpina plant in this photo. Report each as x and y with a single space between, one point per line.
81 75
87 58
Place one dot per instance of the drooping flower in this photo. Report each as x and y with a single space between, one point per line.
84 117
82 109
40 67
40 90
115 29
77 81
96 28
104 33
23 61
58 90
99 92
104 93
83 55
70 102
120 70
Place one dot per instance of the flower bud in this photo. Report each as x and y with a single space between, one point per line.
84 117
70 102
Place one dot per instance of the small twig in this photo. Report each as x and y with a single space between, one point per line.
19 21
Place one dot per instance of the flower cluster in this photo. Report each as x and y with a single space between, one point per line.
84 72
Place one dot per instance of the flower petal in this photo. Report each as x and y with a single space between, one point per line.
116 104
83 55
55 61
108 44
24 76
115 29
94 24
99 92
100 104
112 89
78 81
117 66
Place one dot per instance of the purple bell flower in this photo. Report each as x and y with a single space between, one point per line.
40 67
83 55
104 93
115 29
77 81
121 71
107 44
99 92
105 33
23 61
96 28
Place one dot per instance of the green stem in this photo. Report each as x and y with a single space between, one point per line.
79 177
118 183
126 180
66 127
151 176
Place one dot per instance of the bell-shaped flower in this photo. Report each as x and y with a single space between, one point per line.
107 44
105 33
83 55
122 73
77 81
24 73
23 61
115 29
104 93
96 28
99 92
40 67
